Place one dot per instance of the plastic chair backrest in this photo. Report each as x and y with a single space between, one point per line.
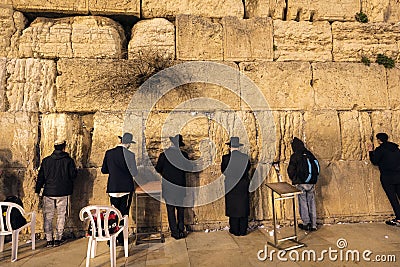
7 228
99 225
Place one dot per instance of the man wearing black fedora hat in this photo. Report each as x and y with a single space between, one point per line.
235 166
173 164
120 165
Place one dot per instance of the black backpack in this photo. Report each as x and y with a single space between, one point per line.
308 168
17 219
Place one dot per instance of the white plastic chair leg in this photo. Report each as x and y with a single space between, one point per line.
125 233
1 243
14 249
94 248
113 251
33 224
88 252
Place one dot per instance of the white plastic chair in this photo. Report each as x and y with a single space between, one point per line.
15 232
101 232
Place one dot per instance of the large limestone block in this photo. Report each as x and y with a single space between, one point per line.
209 8
18 139
345 86
87 85
73 128
30 85
350 135
305 41
381 121
382 10
248 39
285 85
365 133
342 10
11 25
3 83
393 81
265 8
59 6
80 37
322 134
353 40
345 188
125 7
395 127
106 129
198 38
154 36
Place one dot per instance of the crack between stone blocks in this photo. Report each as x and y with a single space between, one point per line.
340 135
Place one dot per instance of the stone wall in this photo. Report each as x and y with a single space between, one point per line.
69 69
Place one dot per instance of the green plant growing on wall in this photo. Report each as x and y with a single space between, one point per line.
365 60
361 17
386 61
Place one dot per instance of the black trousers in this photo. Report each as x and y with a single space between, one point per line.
175 220
123 204
238 225
393 194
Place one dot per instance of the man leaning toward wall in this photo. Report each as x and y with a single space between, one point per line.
56 175
387 157
120 165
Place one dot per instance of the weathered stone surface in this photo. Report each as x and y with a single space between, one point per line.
350 135
3 84
248 39
90 85
353 40
69 6
306 41
74 129
80 37
152 36
366 133
18 139
11 25
322 134
285 86
337 179
125 7
265 8
107 128
30 85
339 10
393 81
381 121
345 86
198 38
395 137
209 8
381 10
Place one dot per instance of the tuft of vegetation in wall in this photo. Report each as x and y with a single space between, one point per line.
365 60
386 61
361 17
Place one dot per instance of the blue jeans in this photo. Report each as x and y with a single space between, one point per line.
308 212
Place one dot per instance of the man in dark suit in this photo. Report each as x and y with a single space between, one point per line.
173 164
120 165
235 166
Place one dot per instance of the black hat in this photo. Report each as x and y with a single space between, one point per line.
177 139
127 138
234 142
383 137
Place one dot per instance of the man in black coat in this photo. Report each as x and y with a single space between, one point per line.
120 165
56 174
387 157
173 165
300 164
235 166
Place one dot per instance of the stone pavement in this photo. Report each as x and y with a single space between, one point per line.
222 249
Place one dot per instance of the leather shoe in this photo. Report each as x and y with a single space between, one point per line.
175 235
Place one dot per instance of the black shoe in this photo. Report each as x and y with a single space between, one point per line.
304 227
176 236
49 244
313 229
182 235
393 222
58 243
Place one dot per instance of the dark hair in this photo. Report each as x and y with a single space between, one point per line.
383 137
60 146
